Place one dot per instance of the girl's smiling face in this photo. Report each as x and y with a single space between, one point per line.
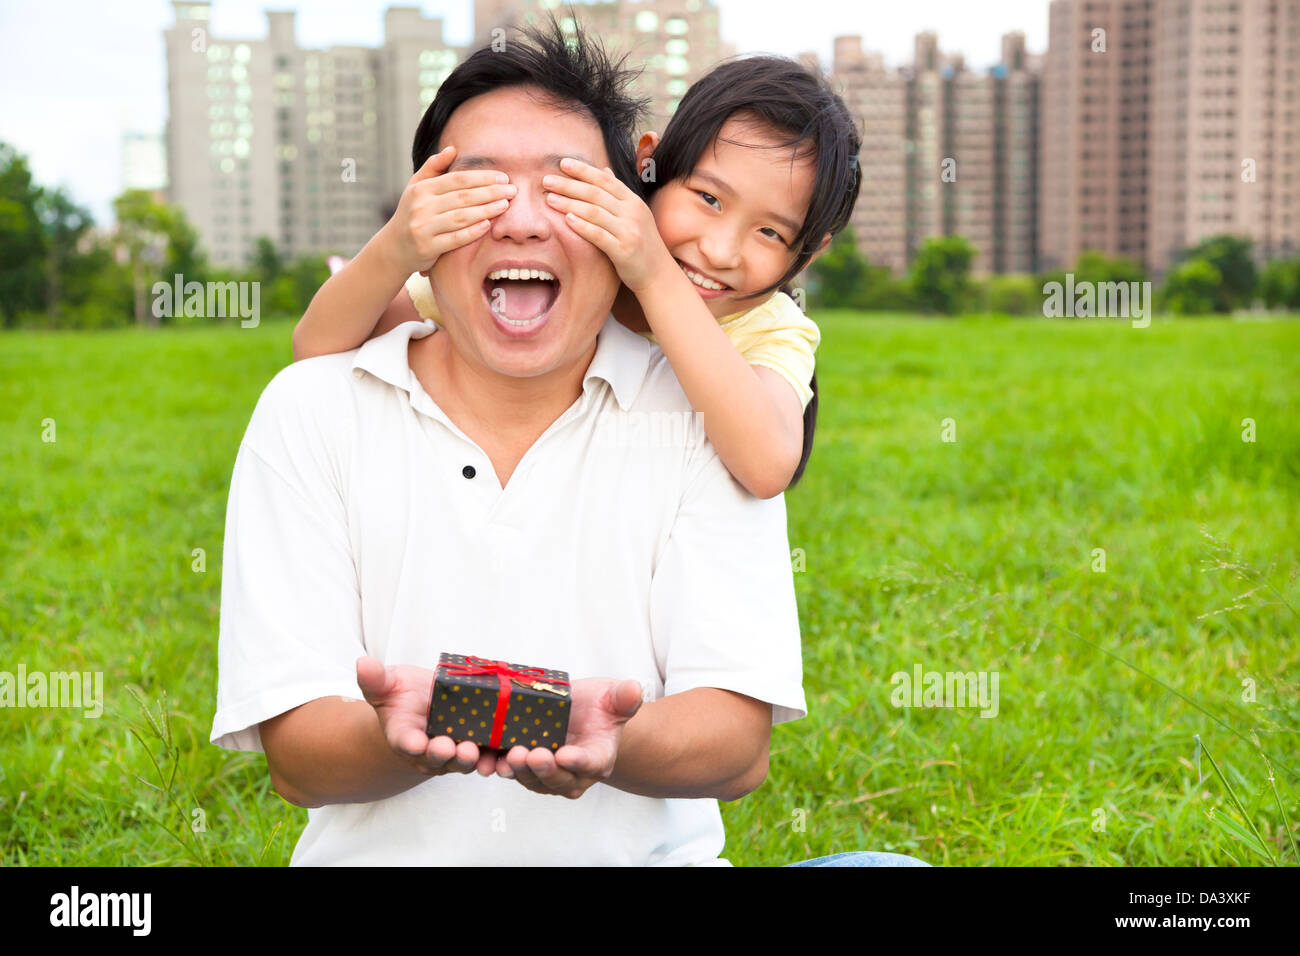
732 221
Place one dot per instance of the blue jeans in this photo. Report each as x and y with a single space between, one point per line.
862 859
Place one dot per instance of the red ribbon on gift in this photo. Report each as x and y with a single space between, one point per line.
503 671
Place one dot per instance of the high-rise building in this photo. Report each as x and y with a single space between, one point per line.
927 125
1168 121
1016 179
676 41
1226 135
878 100
971 150
945 151
309 148
1096 112
312 148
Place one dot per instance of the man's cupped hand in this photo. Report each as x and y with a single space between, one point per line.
602 706
400 696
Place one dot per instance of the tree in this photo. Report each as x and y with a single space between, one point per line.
1013 295
64 225
1230 256
22 238
840 273
309 274
265 261
1095 267
1192 286
940 275
158 241
1279 284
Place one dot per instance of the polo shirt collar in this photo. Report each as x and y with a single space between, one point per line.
622 358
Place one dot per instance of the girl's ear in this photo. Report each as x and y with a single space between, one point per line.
826 241
644 151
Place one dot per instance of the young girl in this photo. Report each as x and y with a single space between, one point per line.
756 172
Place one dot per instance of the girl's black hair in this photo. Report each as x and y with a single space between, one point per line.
783 96
572 68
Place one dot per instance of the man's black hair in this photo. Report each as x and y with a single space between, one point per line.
572 69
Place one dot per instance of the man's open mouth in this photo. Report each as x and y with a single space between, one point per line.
521 298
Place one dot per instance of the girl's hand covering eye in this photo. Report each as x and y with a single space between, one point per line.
605 212
441 211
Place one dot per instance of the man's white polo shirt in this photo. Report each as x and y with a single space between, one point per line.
363 521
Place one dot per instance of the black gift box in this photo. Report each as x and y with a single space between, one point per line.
473 696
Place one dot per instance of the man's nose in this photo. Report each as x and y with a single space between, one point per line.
527 217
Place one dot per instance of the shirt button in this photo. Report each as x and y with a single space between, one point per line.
468 471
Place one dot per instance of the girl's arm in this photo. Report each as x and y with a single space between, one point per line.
750 413
358 302
438 212
752 416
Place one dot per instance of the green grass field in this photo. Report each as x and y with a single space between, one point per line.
974 555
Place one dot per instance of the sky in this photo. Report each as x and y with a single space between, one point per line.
75 74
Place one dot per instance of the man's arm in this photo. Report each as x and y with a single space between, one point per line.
333 750
703 742
342 750
699 743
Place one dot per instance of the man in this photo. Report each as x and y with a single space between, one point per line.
492 489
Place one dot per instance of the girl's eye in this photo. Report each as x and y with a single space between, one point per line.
768 230
710 199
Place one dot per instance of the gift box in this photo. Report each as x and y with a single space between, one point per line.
499 705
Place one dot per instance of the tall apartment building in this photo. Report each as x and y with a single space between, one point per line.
970 147
878 100
927 125
945 151
311 148
676 41
1226 143
1016 176
1096 109
1167 121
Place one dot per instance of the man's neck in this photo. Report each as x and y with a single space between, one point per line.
504 416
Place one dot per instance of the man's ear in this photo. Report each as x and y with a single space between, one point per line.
644 156
826 241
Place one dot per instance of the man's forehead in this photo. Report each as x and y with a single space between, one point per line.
521 127
515 159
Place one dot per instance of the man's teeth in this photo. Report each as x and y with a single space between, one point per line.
702 281
521 274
